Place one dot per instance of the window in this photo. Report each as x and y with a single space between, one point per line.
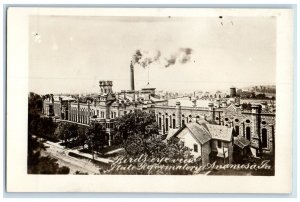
195 148
264 138
167 125
248 133
247 121
219 144
174 123
237 130
159 123
183 123
226 119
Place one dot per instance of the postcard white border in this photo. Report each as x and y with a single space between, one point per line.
17 95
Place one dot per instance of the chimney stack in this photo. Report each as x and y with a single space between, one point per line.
131 76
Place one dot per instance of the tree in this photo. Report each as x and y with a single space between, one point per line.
260 96
135 129
68 132
38 126
82 136
139 134
95 137
35 104
157 149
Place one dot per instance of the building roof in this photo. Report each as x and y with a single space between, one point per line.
63 97
220 132
148 86
186 102
199 132
241 142
171 133
156 99
203 131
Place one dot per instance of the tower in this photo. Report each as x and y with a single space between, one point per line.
178 114
105 87
232 92
131 76
256 129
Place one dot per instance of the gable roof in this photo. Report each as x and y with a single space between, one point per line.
241 142
171 133
198 131
231 107
220 132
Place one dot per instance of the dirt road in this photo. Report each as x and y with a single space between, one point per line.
73 163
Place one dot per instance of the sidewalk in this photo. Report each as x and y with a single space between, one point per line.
89 156
115 151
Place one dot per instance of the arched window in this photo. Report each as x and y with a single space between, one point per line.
174 123
237 131
264 138
183 123
248 133
167 125
159 123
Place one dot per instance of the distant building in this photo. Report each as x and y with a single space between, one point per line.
232 92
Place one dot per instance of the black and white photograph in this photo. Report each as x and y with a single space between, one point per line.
170 94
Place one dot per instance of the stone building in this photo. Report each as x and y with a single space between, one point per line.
256 125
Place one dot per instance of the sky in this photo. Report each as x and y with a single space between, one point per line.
70 54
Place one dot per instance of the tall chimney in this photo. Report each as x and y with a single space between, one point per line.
131 76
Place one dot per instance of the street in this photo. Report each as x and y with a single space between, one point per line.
75 164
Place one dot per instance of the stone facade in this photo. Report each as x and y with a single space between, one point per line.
256 125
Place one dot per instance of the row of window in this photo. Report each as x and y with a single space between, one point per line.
171 124
99 113
247 121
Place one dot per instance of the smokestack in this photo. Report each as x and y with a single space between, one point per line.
131 76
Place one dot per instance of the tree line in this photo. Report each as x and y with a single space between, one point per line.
37 126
